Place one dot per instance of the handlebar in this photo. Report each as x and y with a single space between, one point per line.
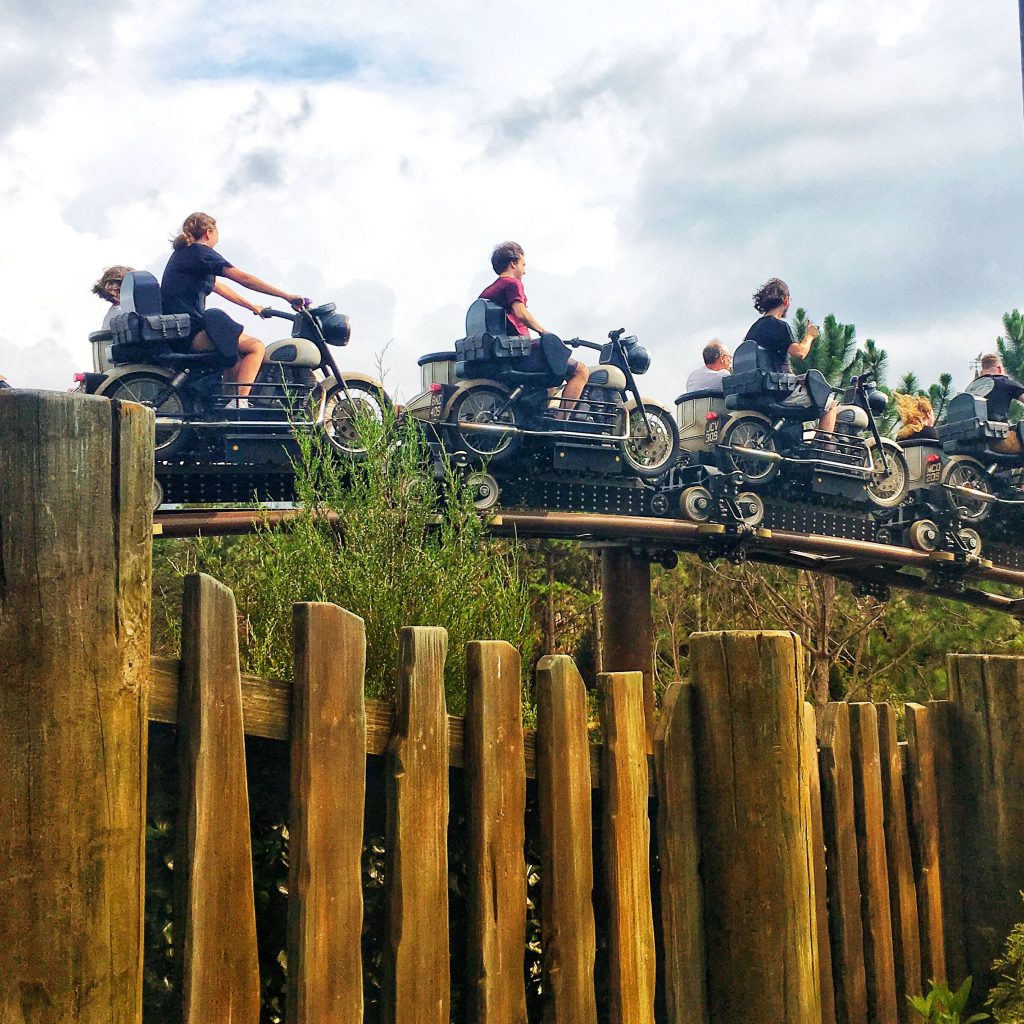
266 313
581 343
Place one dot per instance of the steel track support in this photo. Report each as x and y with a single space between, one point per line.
627 620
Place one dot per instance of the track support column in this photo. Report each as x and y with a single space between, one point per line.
628 625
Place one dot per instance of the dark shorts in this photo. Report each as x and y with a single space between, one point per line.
222 331
549 355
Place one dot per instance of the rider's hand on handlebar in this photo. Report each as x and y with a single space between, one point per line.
258 310
298 301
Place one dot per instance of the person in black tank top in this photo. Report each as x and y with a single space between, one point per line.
999 391
774 335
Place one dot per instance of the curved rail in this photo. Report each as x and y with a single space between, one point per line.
861 561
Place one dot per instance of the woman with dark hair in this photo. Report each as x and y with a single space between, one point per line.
191 274
772 333
108 287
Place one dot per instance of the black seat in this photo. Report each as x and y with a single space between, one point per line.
754 385
966 424
488 350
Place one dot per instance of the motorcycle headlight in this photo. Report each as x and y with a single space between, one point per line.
877 401
337 329
639 359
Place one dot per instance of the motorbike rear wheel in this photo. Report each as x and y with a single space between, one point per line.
485 406
147 389
651 455
753 434
964 471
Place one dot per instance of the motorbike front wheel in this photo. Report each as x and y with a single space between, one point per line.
354 417
153 391
485 407
653 442
887 488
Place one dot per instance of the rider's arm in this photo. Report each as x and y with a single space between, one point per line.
520 311
800 349
232 296
256 285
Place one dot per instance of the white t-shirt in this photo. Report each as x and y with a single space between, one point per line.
706 379
110 314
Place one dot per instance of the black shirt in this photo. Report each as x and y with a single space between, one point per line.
1000 393
776 336
189 277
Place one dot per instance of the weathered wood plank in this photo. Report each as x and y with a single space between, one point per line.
756 834
566 868
924 840
682 900
941 716
495 776
417 976
266 710
828 995
325 823
906 938
843 869
988 692
880 969
626 843
75 591
213 863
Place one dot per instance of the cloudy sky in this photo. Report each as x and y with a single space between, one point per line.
657 160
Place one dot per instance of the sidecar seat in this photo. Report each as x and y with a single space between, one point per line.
754 385
143 333
489 350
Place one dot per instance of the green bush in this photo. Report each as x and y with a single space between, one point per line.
1006 998
941 1006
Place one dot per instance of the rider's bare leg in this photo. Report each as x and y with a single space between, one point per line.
573 389
827 423
250 359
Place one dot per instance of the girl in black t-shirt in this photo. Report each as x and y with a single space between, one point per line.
191 274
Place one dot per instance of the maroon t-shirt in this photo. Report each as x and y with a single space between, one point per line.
504 292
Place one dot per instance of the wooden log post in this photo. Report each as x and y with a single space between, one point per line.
828 996
922 800
874 871
843 870
988 801
75 589
215 909
626 843
567 868
628 623
495 773
756 833
682 901
417 968
941 716
906 936
325 823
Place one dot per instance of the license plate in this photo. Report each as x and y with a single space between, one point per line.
933 473
435 406
711 432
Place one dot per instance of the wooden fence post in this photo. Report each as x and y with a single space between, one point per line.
495 772
215 910
843 874
874 871
325 823
988 693
682 901
627 621
75 583
417 976
906 934
567 867
924 840
756 833
626 842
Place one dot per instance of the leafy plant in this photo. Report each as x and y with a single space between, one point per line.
942 1006
1006 998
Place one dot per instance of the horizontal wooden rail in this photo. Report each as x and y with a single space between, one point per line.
267 708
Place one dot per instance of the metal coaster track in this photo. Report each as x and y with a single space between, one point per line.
872 567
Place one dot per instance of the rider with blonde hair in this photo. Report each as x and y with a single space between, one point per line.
191 274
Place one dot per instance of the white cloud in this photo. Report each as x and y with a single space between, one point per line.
657 161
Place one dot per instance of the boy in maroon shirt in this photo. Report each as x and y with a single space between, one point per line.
509 263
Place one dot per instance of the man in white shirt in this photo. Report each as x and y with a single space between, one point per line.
717 364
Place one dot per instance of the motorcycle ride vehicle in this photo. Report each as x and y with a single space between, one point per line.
481 405
976 479
752 431
299 387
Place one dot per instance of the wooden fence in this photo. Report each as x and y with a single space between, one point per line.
808 867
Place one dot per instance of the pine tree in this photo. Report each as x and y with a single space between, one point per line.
940 394
909 384
1011 344
833 352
